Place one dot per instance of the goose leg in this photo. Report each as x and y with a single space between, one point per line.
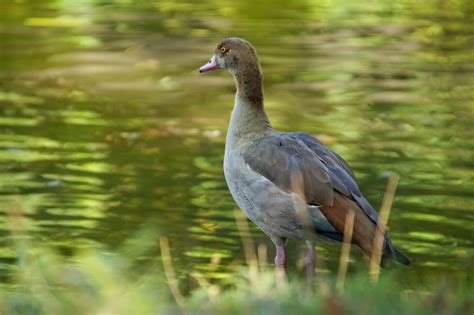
309 261
280 264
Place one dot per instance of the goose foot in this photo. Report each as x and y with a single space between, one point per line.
309 262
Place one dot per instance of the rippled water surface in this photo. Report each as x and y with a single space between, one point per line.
107 130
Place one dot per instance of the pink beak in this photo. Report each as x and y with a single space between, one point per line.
211 65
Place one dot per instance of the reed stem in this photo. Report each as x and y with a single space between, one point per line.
345 250
377 247
169 271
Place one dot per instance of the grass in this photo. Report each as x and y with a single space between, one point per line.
106 282
95 282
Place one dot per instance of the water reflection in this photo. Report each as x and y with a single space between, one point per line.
106 128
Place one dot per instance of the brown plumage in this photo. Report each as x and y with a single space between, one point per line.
364 229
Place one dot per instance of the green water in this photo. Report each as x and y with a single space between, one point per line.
107 130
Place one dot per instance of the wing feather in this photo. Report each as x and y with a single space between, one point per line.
279 156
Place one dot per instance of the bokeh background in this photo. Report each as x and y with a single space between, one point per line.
107 130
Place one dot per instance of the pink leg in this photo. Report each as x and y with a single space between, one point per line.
280 263
309 261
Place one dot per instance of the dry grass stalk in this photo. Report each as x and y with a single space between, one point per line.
345 250
302 213
374 268
299 203
247 241
169 271
262 252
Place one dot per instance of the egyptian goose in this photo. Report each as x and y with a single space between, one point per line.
270 173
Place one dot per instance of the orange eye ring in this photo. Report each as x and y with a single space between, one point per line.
224 49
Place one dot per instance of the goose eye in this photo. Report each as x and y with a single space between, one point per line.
224 49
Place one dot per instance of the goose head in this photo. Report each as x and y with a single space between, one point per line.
233 54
